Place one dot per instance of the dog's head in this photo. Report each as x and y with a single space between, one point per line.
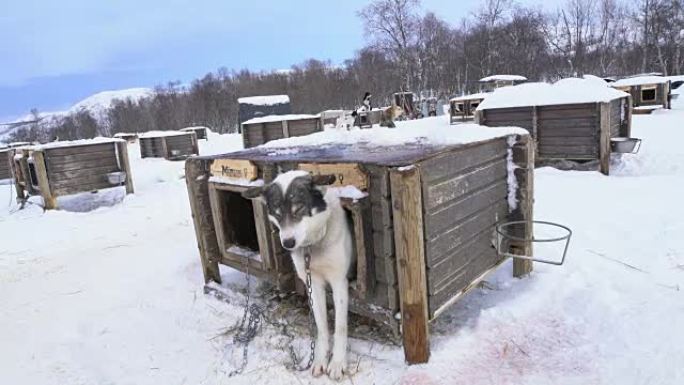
296 206
394 112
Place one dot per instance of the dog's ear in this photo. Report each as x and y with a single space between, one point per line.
253 192
323 180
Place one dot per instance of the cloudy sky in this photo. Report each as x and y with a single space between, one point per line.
55 53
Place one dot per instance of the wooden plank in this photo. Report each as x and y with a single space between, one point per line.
449 240
448 190
410 245
438 221
362 231
126 167
79 149
524 175
454 162
197 178
347 174
76 162
234 168
604 143
445 267
49 201
80 188
87 174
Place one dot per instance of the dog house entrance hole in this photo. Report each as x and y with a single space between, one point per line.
648 95
237 215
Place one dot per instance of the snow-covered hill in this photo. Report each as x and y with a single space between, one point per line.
97 105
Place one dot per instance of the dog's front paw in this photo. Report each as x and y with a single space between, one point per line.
318 367
337 368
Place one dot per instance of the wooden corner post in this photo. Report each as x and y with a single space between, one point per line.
122 149
49 201
407 208
604 139
523 157
197 180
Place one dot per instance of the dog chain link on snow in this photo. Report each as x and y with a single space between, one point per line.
245 335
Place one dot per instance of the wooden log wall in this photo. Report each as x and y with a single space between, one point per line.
256 134
464 195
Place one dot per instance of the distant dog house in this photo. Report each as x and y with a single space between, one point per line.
490 83
64 168
404 100
127 136
422 217
462 108
573 119
258 131
648 92
200 131
171 145
259 106
6 156
329 117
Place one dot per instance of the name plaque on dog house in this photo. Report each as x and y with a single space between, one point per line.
234 168
346 174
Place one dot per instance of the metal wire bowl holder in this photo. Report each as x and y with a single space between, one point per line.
503 232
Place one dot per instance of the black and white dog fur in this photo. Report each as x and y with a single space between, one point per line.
311 219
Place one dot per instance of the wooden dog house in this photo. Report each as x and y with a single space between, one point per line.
171 145
462 108
423 228
6 156
258 131
648 92
64 168
251 107
200 131
573 119
493 82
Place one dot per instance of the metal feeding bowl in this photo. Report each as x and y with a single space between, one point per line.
116 178
507 232
625 145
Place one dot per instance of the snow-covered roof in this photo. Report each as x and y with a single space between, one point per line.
564 91
157 134
193 128
640 80
80 142
433 130
280 118
267 100
479 95
120 134
504 78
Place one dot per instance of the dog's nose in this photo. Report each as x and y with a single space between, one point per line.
289 243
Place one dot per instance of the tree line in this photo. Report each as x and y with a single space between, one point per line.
408 49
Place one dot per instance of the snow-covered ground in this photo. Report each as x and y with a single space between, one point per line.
114 295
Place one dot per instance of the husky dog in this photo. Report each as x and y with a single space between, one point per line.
311 220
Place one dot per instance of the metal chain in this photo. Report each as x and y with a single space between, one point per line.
245 335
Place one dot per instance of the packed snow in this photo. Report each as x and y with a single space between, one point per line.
503 78
564 91
115 295
640 80
279 118
268 100
479 95
80 142
157 134
434 130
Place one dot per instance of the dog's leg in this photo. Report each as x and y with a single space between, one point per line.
321 318
338 362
